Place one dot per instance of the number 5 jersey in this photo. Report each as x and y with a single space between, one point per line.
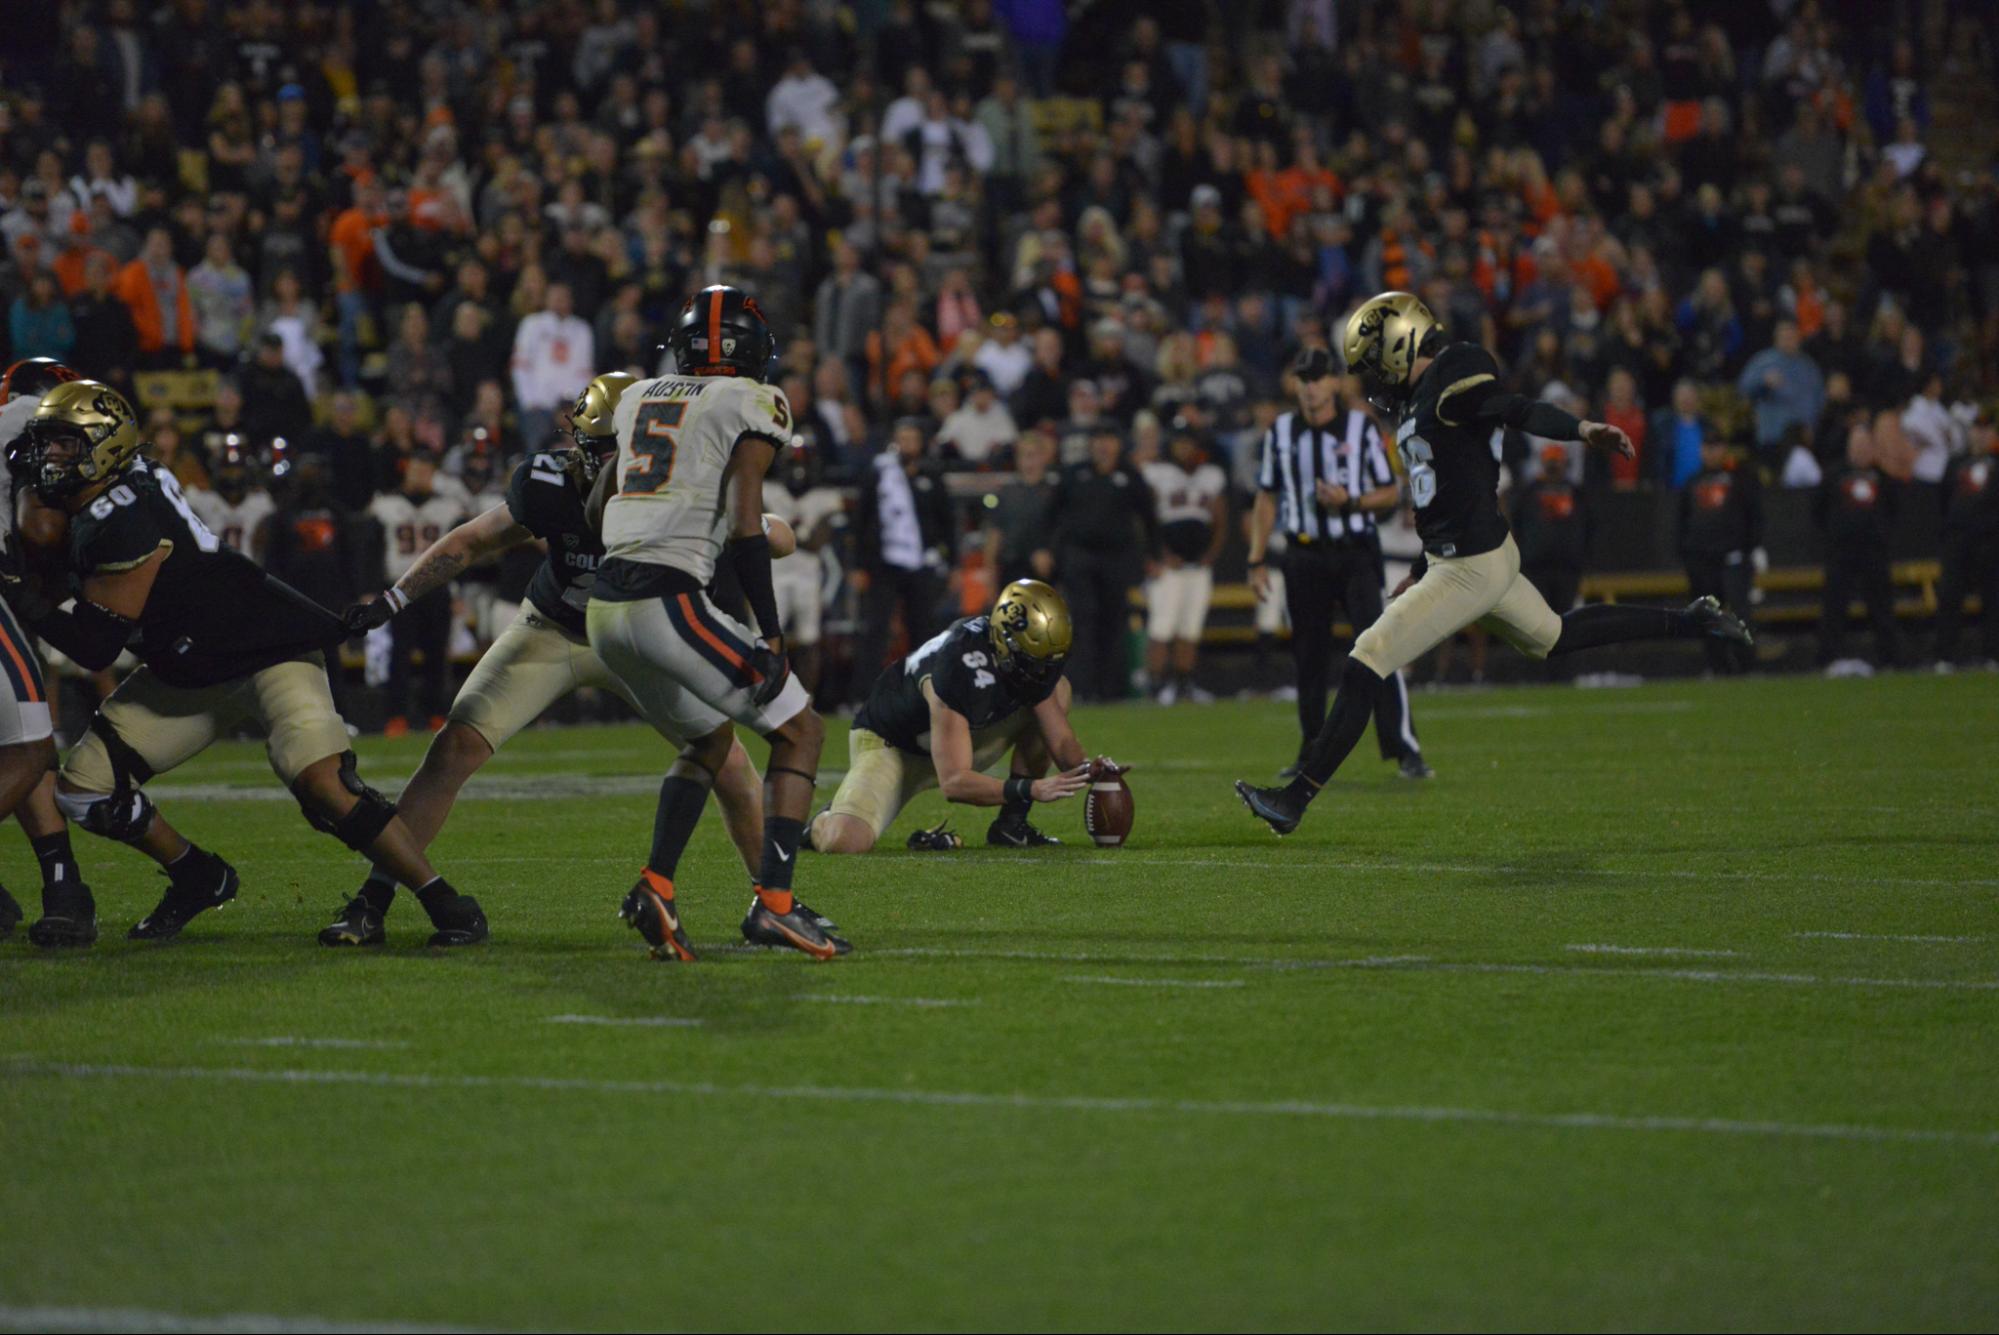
958 664
675 437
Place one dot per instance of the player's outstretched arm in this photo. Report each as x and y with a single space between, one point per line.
1477 399
109 607
1052 717
473 541
951 753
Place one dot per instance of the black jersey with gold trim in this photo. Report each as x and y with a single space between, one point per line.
1448 454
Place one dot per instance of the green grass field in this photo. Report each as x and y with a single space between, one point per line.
1668 1007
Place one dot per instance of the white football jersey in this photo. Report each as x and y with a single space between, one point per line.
235 524
675 437
14 415
410 528
1181 495
804 513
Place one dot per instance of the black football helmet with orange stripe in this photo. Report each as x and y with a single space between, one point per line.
36 375
721 332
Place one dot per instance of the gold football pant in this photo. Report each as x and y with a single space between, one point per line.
1455 592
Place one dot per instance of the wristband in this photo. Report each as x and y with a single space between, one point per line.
395 598
1259 561
1018 791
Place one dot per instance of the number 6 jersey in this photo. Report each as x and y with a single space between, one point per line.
1448 455
958 664
675 437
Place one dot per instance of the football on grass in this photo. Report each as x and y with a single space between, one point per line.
1107 808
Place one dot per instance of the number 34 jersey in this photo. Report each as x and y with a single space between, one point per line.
675 437
1450 459
958 664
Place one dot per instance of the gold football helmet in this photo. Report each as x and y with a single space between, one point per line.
1384 339
1030 633
592 422
82 433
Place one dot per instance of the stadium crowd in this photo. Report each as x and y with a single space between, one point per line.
1038 271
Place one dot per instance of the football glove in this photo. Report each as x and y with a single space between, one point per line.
360 618
774 666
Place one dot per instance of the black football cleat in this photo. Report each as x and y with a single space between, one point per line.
1016 832
759 933
1717 621
200 881
1274 806
654 917
69 917
939 838
359 924
10 913
1415 767
797 930
458 921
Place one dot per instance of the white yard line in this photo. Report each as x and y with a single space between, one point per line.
1109 980
15 1316
295 1041
630 1021
1597 948
1088 1103
1423 964
921 1003
1871 936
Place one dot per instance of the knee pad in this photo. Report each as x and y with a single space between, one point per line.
364 824
122 816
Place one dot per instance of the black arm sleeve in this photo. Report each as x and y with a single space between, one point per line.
751 557
1530 415
91 635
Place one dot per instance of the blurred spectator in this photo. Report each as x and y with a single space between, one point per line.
1855 509
223 299
107 342
1190 494
419 379
1677 434
39 322
847 310
348 470
307 542
296 322
407 521
553 360
1970 548
1004 356
981 430
357 270
234 506
1785 386
1103 537
154 289
904 530
1551 524
1721 539
1933 432
274 402
1016 530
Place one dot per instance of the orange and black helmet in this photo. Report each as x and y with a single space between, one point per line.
721 332
36 375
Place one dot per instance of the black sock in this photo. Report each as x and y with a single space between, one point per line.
191 861
680 803
781 839
1015 811
379 890
1353 706
436 894
1612 623
58 861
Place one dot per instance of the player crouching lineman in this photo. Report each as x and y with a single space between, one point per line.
1446 400
542 657
219 641
941 715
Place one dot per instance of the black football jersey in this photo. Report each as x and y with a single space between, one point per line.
545 500
213 615
1451 460
958 664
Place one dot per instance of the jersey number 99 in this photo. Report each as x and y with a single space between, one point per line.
653 444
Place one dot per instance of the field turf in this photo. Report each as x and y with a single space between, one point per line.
1666 1007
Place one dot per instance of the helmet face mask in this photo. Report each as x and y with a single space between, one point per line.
1383 340
83 433
1031 634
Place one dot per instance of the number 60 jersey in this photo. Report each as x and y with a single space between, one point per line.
675 436
958 664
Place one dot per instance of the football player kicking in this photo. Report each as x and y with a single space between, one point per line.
219 642
541 658
1446 401
687 488
943 714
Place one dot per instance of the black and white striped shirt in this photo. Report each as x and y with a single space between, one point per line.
1346 452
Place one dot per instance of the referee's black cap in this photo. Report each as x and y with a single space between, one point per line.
1315 364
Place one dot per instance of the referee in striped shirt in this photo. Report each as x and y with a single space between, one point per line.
1324 476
